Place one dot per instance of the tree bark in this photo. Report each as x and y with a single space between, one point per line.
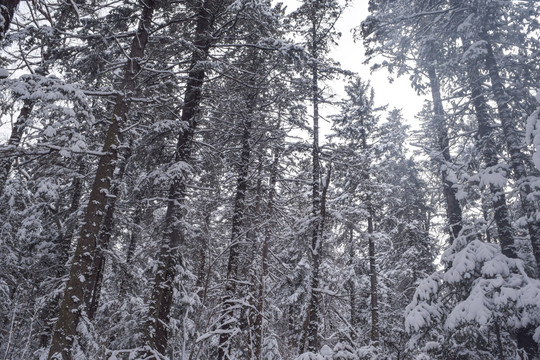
351 287
7 10
161 300
93 289
373 281
203 248
453 208
63 244
254 218
517 157
73 303
258 324
312 335
487 147
374 294
134 236
14 142
236 236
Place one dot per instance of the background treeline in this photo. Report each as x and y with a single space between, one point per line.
165 192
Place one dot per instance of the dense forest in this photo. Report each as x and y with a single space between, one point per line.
179 181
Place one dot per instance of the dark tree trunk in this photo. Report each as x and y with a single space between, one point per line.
203 248
373 281
63 244
351 287
254 218
161 301
312 331
130 253
453 208
14 142
258 324
487 147
236 238
81 266
93 290
134 236
517 157
7 10
374 294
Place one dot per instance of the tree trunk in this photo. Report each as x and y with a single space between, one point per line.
252 236
236 238
134 236
373 281
161 301
7 10
203 249
312 336
93 289
354 315
21 123
487 147
81 266
517 158
63 244
453 208
13 142
133 239
258 324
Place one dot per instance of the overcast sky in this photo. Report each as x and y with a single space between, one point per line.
350 54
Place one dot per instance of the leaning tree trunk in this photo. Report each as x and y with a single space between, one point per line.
517 157
81 267
161 300
487 147
453 207
93 289
63 245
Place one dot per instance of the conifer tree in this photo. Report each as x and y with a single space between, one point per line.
73 303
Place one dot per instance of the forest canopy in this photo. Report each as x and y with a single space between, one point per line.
178 181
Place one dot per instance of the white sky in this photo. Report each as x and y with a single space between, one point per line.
399 94
350 54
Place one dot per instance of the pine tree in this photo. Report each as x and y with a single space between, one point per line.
81 269
317 21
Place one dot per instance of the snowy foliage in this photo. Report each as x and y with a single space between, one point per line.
222 230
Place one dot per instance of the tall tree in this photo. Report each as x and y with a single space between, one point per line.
161 301
81 267
316 23
238 219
